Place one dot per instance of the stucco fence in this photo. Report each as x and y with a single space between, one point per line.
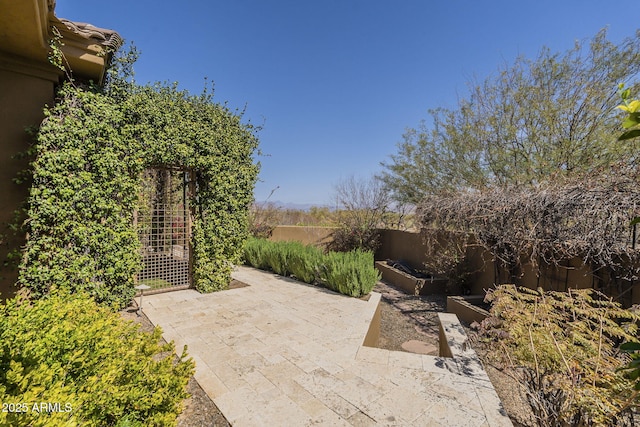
484 272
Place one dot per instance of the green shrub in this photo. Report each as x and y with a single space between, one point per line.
276 258
304 262
267 255
350 273
101 370
90 153
255 253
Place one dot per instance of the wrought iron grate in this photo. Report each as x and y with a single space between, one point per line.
164 228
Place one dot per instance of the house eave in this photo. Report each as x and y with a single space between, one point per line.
27 26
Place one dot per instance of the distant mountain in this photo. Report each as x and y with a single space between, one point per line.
293 206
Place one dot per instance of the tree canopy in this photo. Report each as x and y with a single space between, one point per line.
553 115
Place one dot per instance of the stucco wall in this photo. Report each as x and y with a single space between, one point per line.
409 247
401 245
24 90
306 235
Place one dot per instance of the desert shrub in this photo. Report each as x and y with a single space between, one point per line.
102 370
254 253
263 219
632 369
350 273
260 230
304 262
365 206
277 255
563 348
559 220
349 237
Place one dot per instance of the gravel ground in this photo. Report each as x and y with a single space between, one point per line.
407 317
403 318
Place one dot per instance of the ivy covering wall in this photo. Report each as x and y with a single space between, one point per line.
91 150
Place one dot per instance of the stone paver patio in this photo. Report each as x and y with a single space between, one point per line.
282 353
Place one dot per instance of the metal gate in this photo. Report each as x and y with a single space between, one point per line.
163 223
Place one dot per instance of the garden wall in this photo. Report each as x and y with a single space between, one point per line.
401 245
410 248
25 89
306 235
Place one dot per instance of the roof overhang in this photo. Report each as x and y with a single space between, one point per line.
87 49
27 26
24 28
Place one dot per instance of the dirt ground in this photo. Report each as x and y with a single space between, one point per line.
403 318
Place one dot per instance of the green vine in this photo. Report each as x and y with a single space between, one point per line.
56 57
92 148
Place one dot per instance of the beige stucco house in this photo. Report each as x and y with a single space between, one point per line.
27 83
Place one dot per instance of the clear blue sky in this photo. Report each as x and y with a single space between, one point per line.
336 82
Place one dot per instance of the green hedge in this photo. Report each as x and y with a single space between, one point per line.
255 253
304 262
90 153
350 273
99 369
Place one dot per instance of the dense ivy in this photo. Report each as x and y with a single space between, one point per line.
91 150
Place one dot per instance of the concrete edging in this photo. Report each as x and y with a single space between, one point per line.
464 308
410 284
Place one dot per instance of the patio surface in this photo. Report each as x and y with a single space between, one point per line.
283 353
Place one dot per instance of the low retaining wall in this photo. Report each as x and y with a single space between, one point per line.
464 308
484 272
461 357
410 284
373 333
453 339
409 247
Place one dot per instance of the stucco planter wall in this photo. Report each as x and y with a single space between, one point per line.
410 284
466 308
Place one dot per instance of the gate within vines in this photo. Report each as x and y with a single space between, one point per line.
163 222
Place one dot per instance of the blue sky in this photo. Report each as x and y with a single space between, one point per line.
335 83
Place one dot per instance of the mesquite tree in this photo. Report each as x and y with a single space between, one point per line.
553 115
364 205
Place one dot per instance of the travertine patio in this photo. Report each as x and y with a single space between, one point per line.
279 352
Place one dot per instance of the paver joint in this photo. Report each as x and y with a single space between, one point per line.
278 352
